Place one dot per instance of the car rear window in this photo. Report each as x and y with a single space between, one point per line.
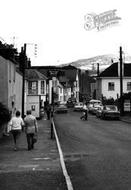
114 108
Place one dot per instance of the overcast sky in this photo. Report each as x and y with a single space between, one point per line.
57 27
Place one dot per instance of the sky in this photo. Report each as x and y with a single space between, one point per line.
57 27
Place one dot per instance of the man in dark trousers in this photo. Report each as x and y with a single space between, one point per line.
48 110
31 128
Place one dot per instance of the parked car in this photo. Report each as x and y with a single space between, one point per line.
96 107
62 108
70 105
94 101
99 111
93 105
110 111
78 106
71 102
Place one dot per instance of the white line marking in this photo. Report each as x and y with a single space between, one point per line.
28 166
67 177
46 158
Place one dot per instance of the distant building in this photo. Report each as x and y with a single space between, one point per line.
58 90
64 81
108 82
93 88
68 77
35 91
85 85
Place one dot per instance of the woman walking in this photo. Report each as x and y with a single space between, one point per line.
16 124
31 128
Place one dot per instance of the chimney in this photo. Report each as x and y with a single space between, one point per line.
98 70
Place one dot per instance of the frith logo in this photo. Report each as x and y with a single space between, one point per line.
101 21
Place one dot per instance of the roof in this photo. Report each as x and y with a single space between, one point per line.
47 70
112 70
33 74
68 71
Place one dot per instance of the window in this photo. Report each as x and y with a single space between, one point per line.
54 83
33 87
60 90
42 87
33 107
111 86
129 86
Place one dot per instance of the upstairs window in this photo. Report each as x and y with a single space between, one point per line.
42 87
54 83
129 86
60 90
111 86
33 87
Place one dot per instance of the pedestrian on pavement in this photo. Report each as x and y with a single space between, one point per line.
16 124
52 111
31 129
48 111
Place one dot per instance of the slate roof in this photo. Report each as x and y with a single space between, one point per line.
69 71
33 74
112 70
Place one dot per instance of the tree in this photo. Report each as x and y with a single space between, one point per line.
8 51
109 101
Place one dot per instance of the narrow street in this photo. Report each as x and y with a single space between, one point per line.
97 152
65 56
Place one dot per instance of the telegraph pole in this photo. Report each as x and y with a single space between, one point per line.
121 83
23 84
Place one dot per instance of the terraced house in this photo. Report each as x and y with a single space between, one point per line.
10 84
35 91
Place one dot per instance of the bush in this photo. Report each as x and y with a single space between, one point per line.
5 115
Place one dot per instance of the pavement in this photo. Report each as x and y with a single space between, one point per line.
126 119
40 168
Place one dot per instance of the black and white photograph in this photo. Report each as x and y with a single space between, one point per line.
65 95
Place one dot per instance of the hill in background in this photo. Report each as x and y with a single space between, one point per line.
91 63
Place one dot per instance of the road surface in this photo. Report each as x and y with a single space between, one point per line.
97 152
